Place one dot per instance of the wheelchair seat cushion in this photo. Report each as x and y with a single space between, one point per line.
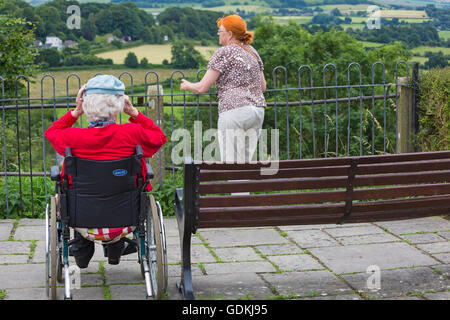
105 235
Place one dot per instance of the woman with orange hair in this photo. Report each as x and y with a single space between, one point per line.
237 70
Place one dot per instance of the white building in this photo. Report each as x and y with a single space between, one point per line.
53 42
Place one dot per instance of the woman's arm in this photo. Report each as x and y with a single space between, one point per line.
79 101
263 82
203 85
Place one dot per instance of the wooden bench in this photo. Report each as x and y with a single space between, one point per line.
309 191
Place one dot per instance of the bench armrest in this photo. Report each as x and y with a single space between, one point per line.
54 173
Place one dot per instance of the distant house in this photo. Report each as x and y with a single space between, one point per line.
114 38
111 39
53 42
69 43
38 44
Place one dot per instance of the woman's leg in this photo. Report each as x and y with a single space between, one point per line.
82 250
238 133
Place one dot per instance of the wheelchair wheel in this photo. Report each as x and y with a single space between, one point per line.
50 250
164 247
154 250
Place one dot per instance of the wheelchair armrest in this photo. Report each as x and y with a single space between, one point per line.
54 173
150 173
179 195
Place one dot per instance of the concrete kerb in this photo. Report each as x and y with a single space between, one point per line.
407 259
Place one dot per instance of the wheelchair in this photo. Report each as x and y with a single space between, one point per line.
104 194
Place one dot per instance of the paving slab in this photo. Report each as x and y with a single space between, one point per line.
18 276
437 295
237 254
346 231
443 257
279 249
230 286
367 239
409 281
423 238
30 233
26 294
436 247
410 226
8 247
13 259
311 238
298 262
357 258
238 267
308 284
241 237
124 272
5 230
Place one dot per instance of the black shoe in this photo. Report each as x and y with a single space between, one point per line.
129 248
82 251
83 257
115 251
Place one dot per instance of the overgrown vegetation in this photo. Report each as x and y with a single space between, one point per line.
434 110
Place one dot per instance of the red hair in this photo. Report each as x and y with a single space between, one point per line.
237 25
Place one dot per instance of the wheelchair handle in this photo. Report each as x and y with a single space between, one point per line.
68 152
139 151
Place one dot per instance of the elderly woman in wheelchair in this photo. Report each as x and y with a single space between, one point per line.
101 191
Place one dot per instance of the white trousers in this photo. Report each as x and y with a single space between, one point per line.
238 133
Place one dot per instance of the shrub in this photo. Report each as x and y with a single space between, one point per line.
434 110
25 209
131 61
166 193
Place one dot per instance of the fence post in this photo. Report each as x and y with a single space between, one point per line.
416 85
405 113
155 102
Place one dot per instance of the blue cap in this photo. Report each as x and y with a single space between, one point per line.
106 84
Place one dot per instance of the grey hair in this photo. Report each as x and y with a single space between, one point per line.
100 106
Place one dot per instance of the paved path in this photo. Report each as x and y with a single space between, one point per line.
296 262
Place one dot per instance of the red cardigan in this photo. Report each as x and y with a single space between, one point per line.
111 142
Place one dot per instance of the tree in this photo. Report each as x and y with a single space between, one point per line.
184 56
144 63
104 21
50 56
131 61
436 60
16 50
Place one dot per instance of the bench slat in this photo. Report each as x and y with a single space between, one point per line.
272 185
390 167
410 166
402 178
323 183
322 196
324 219
211 175
338 161
401 191
330 213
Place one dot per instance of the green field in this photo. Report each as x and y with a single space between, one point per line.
155 53
296 19
61 76
407 3
420 51
444 34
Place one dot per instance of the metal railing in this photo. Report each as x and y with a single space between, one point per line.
335 118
